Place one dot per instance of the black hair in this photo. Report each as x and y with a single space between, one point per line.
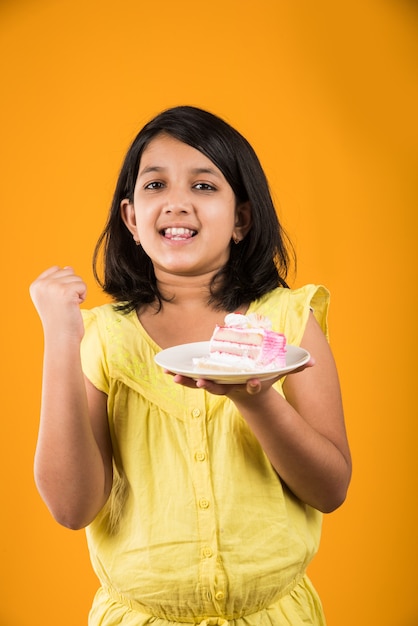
257 265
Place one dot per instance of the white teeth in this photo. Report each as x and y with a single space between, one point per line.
179 232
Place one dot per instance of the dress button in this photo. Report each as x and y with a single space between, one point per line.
200 456
196 413
204 503
219 595
207 552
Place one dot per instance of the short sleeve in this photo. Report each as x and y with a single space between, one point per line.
289 310
93 351
301 302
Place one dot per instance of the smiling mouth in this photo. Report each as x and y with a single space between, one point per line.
178 233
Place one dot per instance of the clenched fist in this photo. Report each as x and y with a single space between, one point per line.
57 294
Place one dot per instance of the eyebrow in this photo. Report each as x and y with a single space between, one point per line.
206 170
150 169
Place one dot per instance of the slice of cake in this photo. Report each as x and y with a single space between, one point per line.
245 343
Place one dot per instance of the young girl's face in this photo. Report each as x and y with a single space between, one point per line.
184 212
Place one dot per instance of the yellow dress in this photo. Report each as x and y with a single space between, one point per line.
199 528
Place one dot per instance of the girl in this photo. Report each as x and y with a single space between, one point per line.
202 501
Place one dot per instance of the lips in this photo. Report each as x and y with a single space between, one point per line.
178 234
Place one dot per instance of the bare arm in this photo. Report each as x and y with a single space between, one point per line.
73 455
303 434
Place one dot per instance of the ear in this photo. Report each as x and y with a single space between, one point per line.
243 221
127 212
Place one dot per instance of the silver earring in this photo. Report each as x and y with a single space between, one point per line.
235 240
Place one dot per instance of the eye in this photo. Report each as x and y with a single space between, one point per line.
204 187
155 184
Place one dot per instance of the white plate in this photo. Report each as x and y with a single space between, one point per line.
178 359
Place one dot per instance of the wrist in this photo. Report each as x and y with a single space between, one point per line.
62 342
253 393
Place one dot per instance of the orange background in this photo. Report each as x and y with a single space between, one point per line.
327 93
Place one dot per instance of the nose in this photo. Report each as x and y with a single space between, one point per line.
177 201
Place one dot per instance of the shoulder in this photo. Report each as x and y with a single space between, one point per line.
307 294
289 309
104 311
105 325
105 315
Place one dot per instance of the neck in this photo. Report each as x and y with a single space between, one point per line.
185 316
185 291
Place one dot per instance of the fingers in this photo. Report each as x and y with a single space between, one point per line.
253 387
48 272
57 294
55 272
307 365
56 279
